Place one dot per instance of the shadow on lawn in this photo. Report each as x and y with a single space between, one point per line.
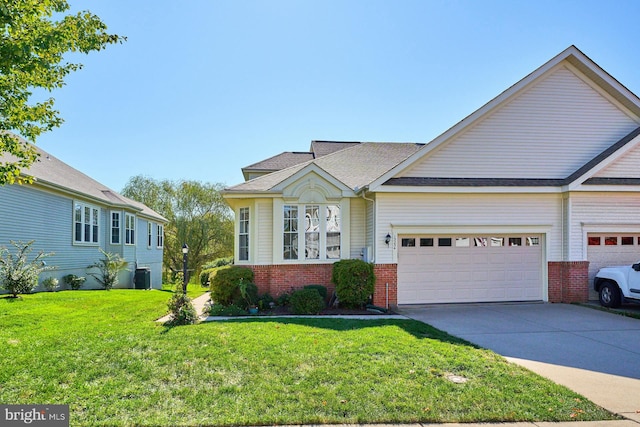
416 328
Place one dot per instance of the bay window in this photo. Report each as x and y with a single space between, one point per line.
320 234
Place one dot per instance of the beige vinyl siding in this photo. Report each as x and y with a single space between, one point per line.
263 232
358 227
427 213
549 130
601 212
628 166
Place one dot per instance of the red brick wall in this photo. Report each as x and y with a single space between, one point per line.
386 274
279 279
568 281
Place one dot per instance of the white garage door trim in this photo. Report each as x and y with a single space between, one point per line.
449 268
610 249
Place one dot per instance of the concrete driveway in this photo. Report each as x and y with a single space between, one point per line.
595 353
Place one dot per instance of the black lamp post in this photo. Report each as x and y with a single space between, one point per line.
185 251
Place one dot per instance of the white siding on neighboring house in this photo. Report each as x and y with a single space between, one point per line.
433 213
601 212
358 228
263 231
549 130
628 166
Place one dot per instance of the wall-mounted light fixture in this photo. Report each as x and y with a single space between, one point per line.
387 239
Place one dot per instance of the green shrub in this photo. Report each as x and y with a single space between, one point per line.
204 276
228 310
283 299
182 310
306 301
354 280
224 286
18 275
50 283
322 290
220 262
265 301
74 282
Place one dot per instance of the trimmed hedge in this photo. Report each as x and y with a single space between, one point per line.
355 281
322 290
224 286
306 301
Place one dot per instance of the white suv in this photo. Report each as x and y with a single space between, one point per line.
617 284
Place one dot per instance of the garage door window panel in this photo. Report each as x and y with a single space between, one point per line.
611 241
626 240
426 242
444 241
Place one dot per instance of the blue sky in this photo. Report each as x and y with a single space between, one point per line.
204 87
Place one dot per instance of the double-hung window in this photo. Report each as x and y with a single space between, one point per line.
129 229
160 236
311 232
149 234
115 228
86 220
243 235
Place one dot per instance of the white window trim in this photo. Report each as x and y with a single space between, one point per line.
247 233
159 236
93 209
149 234
127 240
119 213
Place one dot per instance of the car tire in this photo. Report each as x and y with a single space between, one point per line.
609 295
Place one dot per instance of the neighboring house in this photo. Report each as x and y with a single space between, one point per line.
523 200
72 215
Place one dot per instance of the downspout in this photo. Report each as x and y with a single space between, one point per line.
364 197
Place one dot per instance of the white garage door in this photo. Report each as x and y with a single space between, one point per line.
445 269
607 249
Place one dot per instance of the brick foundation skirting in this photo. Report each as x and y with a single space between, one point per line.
284 278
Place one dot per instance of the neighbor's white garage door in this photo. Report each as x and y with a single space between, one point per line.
607 249
447 269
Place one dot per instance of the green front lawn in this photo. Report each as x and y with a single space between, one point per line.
102 353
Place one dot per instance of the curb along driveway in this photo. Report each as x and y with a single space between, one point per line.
594 353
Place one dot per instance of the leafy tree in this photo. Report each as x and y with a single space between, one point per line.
32 47
197 214
18 274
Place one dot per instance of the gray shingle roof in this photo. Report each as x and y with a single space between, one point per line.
51 171
323 148
355 167
279 161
